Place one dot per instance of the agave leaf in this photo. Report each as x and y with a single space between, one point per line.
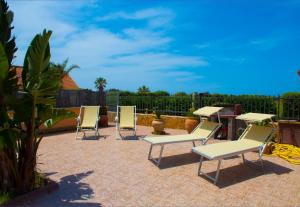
58 115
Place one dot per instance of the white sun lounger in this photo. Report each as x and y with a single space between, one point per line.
203 132
254 138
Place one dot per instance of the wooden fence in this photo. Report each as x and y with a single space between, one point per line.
76 98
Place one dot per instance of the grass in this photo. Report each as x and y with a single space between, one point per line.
4 197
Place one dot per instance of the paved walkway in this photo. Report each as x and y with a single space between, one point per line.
110 172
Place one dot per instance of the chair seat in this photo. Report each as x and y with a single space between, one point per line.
168 139
227 149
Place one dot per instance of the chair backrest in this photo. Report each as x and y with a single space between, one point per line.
205 129
127 116
257 133
90 115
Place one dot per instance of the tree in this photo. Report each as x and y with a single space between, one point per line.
161 93
22 115
298 72
63 67
180 94
100 83
143 90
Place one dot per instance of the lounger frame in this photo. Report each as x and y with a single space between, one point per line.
260 150
202 140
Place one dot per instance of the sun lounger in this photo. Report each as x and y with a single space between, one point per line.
254 138
88 120
125 119
203 132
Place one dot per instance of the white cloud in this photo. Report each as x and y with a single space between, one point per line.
156 17
265 43
203 45
139 15
128 58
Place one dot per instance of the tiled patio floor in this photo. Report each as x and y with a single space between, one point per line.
110 172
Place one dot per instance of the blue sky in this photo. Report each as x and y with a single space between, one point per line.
241 47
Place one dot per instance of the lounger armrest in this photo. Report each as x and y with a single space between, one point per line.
116 119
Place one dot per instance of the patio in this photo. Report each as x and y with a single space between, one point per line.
110 172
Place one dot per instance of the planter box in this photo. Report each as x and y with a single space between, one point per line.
289 132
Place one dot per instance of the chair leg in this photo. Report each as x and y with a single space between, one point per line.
194 144
96 131
214 179
218 172
260 158
150 151
200 165
160 154
157 161
77 133
118 134
243 156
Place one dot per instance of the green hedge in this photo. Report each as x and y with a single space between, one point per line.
249 103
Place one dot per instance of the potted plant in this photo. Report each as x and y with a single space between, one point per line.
191 120
158 124
103 116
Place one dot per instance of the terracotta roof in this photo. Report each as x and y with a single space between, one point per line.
67 82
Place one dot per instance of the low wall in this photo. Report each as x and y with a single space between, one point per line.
289 131
66 124
173 122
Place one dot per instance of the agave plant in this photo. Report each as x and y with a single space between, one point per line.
22 113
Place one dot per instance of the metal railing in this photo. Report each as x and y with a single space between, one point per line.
284 108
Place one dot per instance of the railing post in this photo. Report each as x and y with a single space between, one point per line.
193 100
278 107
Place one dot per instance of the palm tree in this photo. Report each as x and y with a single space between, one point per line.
100 83
298 72
63 67
143 89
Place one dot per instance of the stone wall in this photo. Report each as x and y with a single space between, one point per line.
173 122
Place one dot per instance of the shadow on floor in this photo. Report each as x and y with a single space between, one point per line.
72 192
93 137
131 137
242 172
178 160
